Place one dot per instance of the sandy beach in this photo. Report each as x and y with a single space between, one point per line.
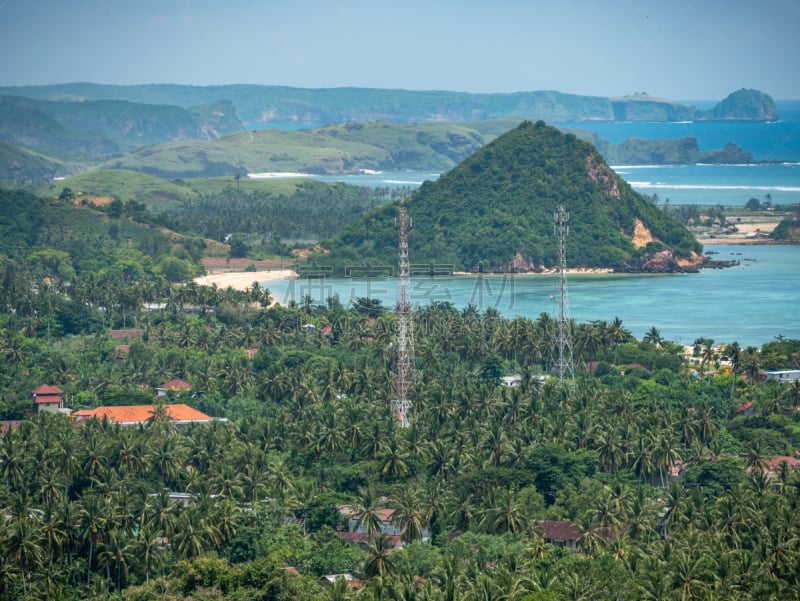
242 280
568 271
278 175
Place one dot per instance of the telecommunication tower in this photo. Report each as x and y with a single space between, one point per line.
564 364
404 357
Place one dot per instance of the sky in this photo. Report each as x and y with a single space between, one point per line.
677 49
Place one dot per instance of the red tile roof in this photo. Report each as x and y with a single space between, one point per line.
135 414
384 514
131 334
47 389
774 464
46 394
176 384
560 530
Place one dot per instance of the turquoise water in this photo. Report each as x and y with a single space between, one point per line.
776 178
751 303
727 185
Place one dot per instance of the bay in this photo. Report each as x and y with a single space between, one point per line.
707 185
775 177
751 303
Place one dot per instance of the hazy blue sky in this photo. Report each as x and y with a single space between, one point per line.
678 49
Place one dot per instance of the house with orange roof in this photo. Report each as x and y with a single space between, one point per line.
175 384
134 415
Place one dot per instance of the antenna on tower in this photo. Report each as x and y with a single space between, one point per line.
564 363
404 363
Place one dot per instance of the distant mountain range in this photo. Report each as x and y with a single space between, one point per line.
265 105
189 131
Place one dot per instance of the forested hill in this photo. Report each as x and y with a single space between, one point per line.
494 212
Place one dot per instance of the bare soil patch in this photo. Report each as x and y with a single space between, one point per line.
223 264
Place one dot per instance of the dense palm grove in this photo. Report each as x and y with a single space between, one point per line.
87 511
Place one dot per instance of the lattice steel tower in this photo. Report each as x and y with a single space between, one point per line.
564 364
404 357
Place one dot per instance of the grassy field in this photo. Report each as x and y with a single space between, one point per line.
333 149
157 193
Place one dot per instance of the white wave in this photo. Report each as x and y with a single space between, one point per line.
615 167
278 175
664 186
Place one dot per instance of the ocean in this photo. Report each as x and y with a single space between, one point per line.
751 303
775 178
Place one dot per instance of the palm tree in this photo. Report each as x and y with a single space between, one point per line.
409 515
194 534
379 562
149 550
707 355
653 336
118 552
689 575
92 520
643 465
734 354
751 362
394 464
11 460
611 453
24 546
505 513
665 454
369 511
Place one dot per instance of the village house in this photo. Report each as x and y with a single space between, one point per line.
786 376
49 398
175 385
561 534
135 415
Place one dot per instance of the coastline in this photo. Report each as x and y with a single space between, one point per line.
568 271
243 280
278 175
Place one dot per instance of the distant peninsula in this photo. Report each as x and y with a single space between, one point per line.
188 131
259 105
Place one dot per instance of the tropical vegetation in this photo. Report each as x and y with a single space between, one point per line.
514 185
664 462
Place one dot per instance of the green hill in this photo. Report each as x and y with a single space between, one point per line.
24 123
101 128
744 105
83 238
494 212
354 147
18 163
333 149
161 194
